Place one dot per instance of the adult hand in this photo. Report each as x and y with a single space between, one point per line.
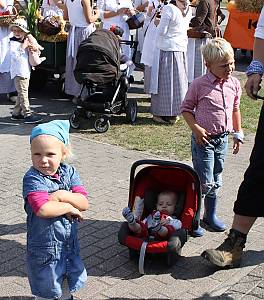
130 12
121 11
252 85
156 21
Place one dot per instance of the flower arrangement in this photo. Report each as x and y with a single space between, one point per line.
31 12
249 5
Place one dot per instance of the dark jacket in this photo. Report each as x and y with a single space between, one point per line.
205 18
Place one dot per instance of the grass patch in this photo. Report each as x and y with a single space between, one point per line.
172 141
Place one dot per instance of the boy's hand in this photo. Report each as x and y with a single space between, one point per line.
201 135
236 145
25 44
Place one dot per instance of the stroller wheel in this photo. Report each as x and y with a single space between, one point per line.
74 121
101 124
131 110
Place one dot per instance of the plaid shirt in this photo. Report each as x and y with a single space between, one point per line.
212 102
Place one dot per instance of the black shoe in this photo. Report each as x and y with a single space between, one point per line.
18 117
33 119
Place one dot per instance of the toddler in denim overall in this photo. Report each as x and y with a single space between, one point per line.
54 200
211 109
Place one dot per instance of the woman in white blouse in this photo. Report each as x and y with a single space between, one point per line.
114 12
81 17
172 82
7 85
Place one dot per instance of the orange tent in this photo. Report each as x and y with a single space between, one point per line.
240 28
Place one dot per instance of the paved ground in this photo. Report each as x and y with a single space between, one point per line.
105 170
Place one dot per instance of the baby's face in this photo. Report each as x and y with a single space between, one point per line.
166 203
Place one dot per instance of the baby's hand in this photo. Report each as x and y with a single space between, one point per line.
164 222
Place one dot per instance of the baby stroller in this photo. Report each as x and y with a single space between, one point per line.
156 176
98 70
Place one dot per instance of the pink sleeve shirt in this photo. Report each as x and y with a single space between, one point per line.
212 102
37 199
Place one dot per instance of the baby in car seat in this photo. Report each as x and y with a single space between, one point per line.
160 223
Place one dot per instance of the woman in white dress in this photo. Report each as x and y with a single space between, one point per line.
81 17
114 12
7 85
150 51
172 68
140 5
52 8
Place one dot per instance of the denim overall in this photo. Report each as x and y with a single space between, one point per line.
53 251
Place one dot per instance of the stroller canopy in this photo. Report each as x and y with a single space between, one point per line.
98 58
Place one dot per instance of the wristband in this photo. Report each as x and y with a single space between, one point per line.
255 67
239 136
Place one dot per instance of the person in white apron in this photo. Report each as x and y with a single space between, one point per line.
7 85
150 51
52 8
141 5
114 12
81 17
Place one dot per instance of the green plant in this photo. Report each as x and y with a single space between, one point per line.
31 12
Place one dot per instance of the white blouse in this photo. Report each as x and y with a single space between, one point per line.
172 29
19 61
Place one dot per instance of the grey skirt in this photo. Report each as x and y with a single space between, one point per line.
6 83
172 84
72 87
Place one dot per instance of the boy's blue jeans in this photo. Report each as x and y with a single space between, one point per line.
208 162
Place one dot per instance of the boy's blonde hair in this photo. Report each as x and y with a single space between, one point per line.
217 49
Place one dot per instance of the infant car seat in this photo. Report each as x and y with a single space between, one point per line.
147 183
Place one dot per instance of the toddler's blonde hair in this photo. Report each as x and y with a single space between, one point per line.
217 49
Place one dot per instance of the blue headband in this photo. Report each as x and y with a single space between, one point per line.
58 128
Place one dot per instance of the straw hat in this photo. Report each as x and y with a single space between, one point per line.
21 23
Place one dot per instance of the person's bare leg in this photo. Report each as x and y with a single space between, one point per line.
243 223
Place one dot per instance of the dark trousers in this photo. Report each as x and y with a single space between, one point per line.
250 194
